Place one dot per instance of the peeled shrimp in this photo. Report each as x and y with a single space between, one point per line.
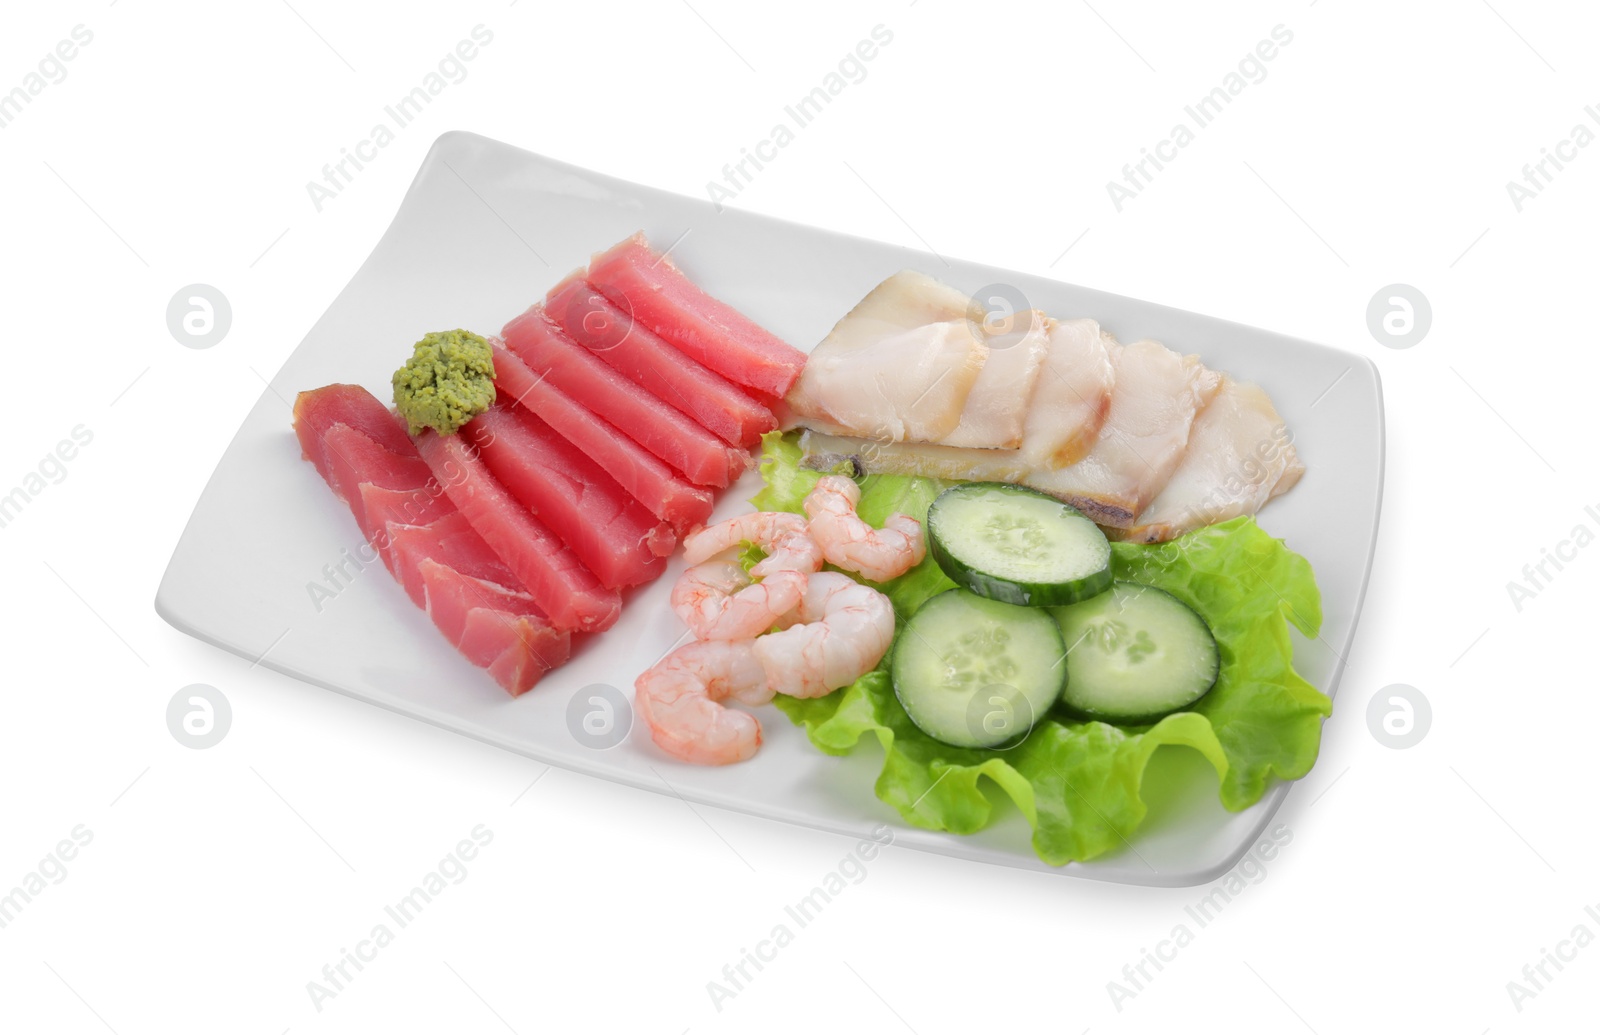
680 701
717 600
850 543
784 537
845 629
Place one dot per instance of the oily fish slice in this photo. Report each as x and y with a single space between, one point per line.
1239 456
1061 422
1140 443
1146 432
897 368
1073 395
996 410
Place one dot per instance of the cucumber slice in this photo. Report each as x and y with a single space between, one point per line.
975 672
1134 654
1016 545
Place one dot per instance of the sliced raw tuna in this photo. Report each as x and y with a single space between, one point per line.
521 664
692 450
610 531
497 628
635 351
647 479
451 540
350 458
451 594
384 509
405 506
446 567
706 330
547 568
351 405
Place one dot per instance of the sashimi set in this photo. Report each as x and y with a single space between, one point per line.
1001 542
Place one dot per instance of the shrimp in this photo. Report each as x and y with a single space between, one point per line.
880 554
784 537
719 601
845 629
680 700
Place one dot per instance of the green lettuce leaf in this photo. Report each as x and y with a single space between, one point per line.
1079 783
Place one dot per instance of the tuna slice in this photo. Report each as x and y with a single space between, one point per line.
714 333
316 412
674 438
547 568
635 351
497 628
610 531
447 569
451 573
648 480
404 506
383 509
450 540
351 460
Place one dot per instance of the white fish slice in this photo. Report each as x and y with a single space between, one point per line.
898 367
1073 396
1239 456
918 361
1157 394
1140 443
997 408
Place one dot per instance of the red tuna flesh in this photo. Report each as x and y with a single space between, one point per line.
706 330
384 486
484 618
635 351
608 529
672 437
315 412
647 479
547 568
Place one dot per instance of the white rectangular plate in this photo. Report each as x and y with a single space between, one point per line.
482 233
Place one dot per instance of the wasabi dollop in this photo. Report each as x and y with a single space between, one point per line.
448 380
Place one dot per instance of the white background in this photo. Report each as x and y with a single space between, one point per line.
220 881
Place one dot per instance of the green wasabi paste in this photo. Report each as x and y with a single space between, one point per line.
448 380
